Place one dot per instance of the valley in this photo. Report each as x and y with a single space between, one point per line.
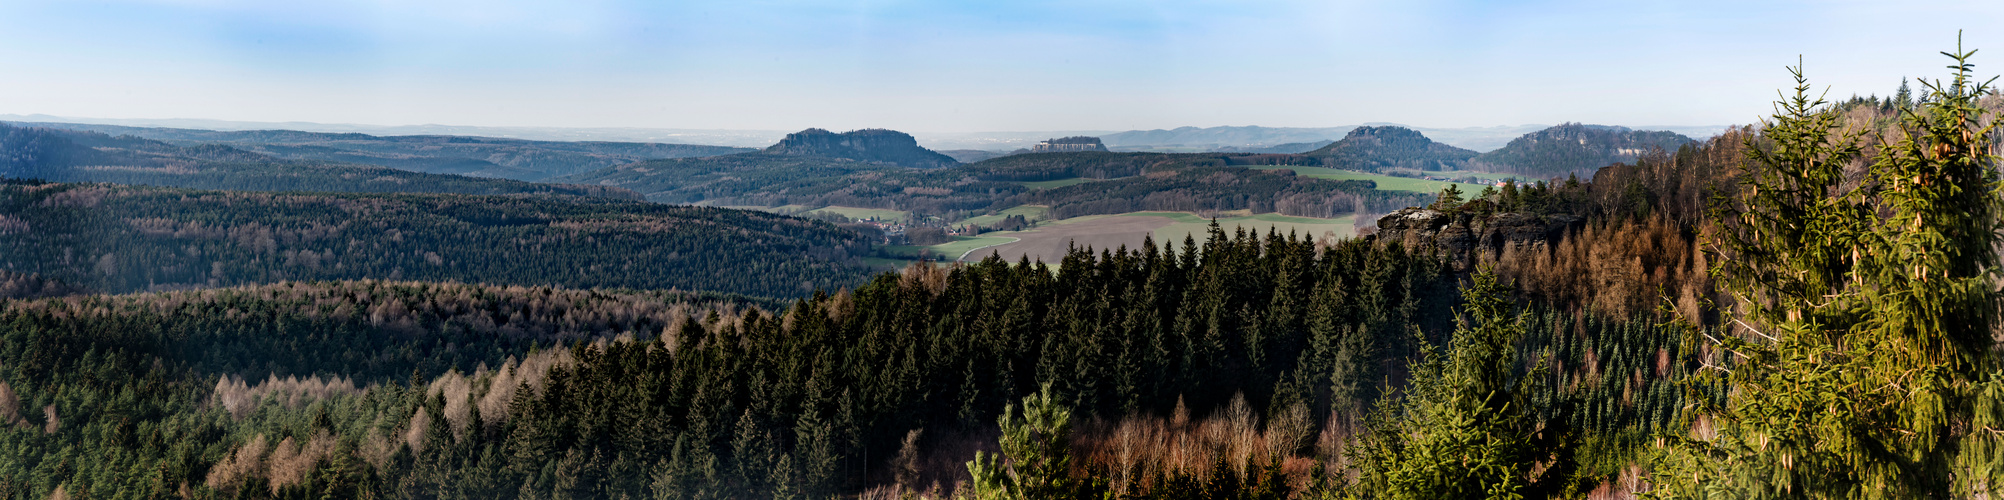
851 315
787 250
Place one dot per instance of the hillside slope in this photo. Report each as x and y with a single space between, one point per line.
477 156
1574 148
111 238
70 156
1373 149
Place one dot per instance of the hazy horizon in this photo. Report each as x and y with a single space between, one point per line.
1474 138
954 68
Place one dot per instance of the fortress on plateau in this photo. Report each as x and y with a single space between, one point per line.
1069 144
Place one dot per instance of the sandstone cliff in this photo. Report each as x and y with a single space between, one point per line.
1459 235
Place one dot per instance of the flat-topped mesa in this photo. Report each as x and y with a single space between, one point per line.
873 145
1069 144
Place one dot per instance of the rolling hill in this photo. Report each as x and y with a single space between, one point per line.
76 156
110 238
443 154
1574 148
1374 149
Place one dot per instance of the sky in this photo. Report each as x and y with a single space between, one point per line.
964 66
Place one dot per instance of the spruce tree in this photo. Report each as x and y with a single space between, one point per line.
1035 463
1464 428
1861 351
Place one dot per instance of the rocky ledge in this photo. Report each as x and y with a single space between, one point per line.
1458 235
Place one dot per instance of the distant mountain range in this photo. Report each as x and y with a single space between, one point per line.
1221 139
84 156
715 137
439 154
304 160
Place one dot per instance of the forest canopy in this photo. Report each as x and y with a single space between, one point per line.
117 239
1804 308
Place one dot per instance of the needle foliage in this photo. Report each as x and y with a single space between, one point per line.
1863 272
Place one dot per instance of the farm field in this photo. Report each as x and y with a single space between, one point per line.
1049 240
1492 176
1385 182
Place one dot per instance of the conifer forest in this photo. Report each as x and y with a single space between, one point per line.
1804 307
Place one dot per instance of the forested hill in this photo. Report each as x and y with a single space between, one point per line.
1134 181
872 145
480 156
1084 164
1216 189
1372 149
72 156
1574 148
110 238
739 179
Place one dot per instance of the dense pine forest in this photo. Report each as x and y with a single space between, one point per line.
1801 309
116 239
1128 182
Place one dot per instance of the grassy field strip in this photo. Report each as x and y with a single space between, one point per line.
961 245
963 255
1493 176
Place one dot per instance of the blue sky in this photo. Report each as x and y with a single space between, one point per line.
962 66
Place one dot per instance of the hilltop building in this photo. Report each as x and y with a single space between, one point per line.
1069 144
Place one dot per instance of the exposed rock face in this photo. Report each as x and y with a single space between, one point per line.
1459 235
876 145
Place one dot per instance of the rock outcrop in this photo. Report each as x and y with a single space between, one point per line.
875 145
1463 237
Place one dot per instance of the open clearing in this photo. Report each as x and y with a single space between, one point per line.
1385 182
1492 176
1049 241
